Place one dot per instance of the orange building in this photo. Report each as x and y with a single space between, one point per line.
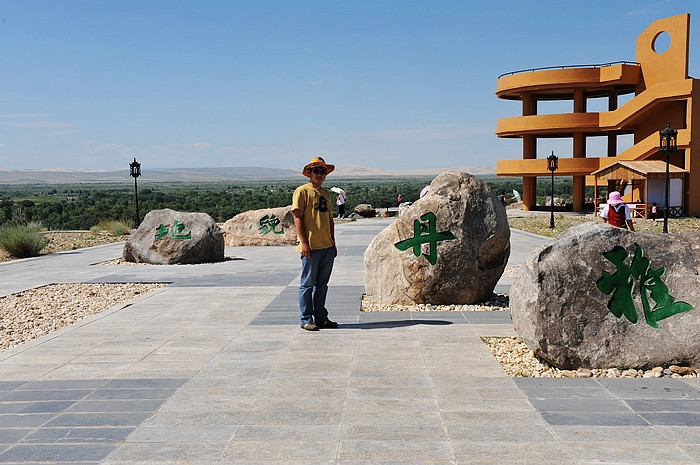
656 89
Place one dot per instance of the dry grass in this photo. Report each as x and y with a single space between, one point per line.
540 224
72 240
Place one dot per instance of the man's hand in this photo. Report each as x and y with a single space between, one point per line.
305 250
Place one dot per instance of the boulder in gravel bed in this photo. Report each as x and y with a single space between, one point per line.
269 226
601 296
168 237
450 247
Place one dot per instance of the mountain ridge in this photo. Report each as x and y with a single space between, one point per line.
64 176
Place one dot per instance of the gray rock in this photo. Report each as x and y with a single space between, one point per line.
560 311
465 269
269 226
167 237
365 210
558 202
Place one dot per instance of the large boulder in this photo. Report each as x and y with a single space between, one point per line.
167 237
365 210
450 247
601 297
269 226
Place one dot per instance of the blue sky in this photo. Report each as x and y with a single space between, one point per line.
391 84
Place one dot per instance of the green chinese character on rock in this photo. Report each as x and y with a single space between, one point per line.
620 285
268 224
176 232
173 232
162 231
423 234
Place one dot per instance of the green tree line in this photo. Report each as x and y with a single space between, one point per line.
81 206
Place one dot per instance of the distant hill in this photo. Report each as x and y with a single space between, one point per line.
60 176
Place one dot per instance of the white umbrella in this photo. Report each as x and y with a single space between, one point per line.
517 196
338 190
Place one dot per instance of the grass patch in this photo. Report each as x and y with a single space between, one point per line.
540 224
23 241
114 228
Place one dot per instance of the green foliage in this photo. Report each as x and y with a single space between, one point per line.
22 241
82 206
18 218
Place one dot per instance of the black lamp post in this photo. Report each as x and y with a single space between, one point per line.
552 165
667 145
136 172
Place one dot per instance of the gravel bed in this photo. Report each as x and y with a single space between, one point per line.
27 315
497 303
518 360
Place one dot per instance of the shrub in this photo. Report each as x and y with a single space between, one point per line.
23 241
18 218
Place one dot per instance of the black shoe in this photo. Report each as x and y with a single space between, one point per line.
311 326
328 324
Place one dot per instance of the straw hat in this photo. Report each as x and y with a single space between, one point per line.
318 161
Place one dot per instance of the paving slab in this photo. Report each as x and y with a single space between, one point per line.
214 369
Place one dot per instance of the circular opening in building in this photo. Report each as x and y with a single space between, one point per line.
662 42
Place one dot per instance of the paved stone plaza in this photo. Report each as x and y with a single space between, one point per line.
214 369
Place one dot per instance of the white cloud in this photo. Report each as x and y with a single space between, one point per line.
36 121
160 156
23 115
40 124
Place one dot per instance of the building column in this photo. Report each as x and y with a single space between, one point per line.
612 138
691 188
579 149
529 194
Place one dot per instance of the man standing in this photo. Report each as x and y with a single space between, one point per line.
313 219
617 213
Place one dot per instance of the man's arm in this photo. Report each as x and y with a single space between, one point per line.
301 232
332 226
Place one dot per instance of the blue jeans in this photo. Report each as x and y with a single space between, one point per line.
313 286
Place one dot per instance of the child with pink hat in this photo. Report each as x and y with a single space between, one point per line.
617 213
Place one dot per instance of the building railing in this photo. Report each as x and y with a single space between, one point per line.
643 210
599 65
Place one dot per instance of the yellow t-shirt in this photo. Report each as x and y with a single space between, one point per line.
318 215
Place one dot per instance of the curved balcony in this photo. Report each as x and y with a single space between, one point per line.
637 109
560 82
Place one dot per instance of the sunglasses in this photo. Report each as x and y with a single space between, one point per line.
318 170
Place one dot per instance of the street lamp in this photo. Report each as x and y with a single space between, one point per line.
136 172
552 165
667 145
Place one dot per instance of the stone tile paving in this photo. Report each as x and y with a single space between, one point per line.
620 420
65 421
250 387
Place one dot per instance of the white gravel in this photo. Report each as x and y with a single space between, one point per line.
518 360
33 313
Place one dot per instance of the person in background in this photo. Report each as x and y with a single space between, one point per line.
502 199
654 211
340 201
313 220
399 199
617 213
